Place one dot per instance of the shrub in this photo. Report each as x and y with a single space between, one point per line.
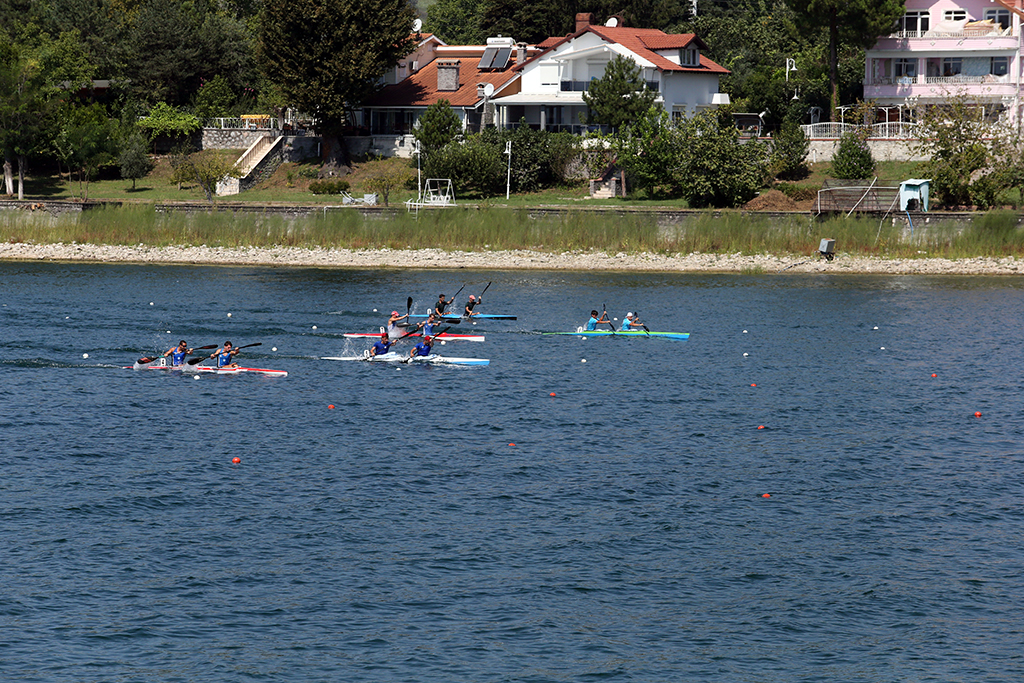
789 152
853 160
328 186
309 172
473 166
388 175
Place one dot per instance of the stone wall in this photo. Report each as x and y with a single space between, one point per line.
881 150
230 138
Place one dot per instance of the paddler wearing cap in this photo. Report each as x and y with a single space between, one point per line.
471 304
630 322
393 327
424 348
382 346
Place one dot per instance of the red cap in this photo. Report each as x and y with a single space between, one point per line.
394 312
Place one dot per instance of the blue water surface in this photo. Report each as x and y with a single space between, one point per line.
463 524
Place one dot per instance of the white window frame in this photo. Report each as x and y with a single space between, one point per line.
954 15
689 56
920 20
952 66
999 70
1000 16
904 68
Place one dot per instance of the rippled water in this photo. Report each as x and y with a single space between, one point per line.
403 537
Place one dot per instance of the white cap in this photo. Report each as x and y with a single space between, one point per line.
630 314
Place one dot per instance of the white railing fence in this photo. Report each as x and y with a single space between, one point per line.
834 131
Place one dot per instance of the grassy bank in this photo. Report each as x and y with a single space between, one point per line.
992 234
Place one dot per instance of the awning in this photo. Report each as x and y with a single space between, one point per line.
569 99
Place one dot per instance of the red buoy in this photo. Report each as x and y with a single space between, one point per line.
236 460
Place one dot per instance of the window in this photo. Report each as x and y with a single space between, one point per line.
689 57
954 15
999 66
1000 16
914 23
951 66
905 68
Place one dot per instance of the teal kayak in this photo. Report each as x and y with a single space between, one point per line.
580 332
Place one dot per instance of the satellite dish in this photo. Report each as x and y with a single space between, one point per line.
612 22
417 25
488 89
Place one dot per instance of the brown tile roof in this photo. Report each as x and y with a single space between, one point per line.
643 42
420 89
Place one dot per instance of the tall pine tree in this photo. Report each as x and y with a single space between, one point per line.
620 96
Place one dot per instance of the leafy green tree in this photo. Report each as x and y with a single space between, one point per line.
205 168
456 22
620 96
163 119
25 111
213 99
133 158
327 55
789 152
387 176
716 168
853 159
651 154
474 166
86 140
849 22
952 138
438 126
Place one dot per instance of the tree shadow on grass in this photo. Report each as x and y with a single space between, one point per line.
49 187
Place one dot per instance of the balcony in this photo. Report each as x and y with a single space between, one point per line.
582 86
945 41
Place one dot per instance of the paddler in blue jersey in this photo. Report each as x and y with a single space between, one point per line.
630 322
423 348
595 320
224 356
381 347
178 353
427 328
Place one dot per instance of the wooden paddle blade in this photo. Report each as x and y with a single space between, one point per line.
248 345
196 361
204 348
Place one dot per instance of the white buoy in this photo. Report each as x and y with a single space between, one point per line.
168 331
274 349
375 310
875 327
882 348
195 376
744 331
85 355
583 360
229 315
443 342
67 317
314 327
150 303
745 355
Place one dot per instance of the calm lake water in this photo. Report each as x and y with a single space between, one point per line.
401 536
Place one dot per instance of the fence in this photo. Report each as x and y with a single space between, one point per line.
834 131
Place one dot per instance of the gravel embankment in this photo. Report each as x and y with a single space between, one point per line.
525 260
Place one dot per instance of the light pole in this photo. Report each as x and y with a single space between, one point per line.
790 66
419 174
508 177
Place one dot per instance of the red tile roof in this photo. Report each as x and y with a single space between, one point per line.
420 89
643 42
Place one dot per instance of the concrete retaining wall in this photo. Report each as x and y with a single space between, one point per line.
230 138
881 150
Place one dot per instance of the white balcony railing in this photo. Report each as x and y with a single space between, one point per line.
970 32
834 131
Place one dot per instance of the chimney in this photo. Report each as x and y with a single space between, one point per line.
520 53
448 74
480 90
583 20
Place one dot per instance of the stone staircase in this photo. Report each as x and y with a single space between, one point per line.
261 153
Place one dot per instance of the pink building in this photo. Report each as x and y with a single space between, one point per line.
942 48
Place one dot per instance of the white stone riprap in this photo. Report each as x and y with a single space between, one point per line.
501 260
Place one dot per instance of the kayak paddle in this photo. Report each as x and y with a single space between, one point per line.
604 314
196 361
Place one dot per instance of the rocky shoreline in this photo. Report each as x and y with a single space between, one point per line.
505 260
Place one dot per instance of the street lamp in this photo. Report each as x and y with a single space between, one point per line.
790 66
508 178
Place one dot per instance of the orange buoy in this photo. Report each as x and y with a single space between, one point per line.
760 427
977 414
511 444
236 460
551 394
766 495
753 385
330 407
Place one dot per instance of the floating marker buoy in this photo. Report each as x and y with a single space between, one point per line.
150 303
443 342
551 394
934 375
85 355
977 414
511 444
330 407
875 327
195 376
745 355
314 327
236 460
882 348
229 315
744 331
766 495
760 426
274 349
375 310
583 360
753 385
168 331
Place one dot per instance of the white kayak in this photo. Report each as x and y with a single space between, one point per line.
161 364
432 359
